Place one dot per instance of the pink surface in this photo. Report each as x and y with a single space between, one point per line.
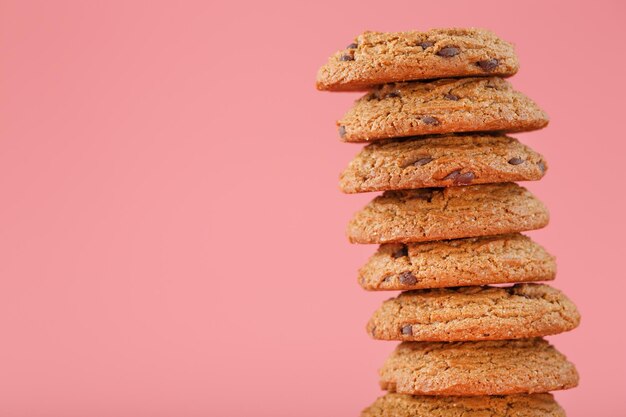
171 232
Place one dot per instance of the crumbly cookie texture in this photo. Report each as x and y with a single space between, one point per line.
440 106
474 313
378 58
484 260
524 366
447 213
441 162
521 405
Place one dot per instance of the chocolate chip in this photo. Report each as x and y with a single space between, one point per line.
407 330
407 278
465 178
449 51
392 94
516 161
342 131
450 96
346 57
488 65
422 161
352 46
403 251
542 166
460 179
426 44
429 120
373 330
452 175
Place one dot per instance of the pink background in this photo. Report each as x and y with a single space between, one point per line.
171 232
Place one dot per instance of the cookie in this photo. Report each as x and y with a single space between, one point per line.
484 260
523 366
521 405
474 313
447 213
440 106
444 161
378 58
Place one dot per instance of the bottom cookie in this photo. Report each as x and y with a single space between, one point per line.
524 366
399 405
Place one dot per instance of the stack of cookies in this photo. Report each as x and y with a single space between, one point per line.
470 317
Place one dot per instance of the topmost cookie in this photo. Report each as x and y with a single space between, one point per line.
378 58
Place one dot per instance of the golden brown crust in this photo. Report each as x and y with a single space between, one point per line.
448 213
378 58
521 405
474 313
438 107
441 161
483 260
524 366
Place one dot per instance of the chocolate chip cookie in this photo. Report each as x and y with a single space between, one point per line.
523 366
474 313
521 405
460 262
378 58
447 213
443 161
440 106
